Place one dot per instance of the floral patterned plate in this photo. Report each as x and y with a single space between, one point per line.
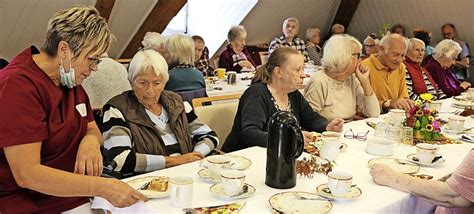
299 202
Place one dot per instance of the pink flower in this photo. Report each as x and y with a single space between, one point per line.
436 125
426 111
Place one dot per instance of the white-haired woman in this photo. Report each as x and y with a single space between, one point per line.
50 159
419 80
183 76
313 38
236 57
440 66
156 41
149 128
370 46
335 91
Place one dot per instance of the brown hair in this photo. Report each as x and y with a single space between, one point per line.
277 58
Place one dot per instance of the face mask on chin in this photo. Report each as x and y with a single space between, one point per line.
68 79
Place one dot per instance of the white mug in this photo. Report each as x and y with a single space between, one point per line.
232 181
330 149
426 152
396 115
216 163
330 135
181 191
456 122
436 105
339 182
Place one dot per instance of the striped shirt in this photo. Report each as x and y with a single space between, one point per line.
297 44
118 141
428 84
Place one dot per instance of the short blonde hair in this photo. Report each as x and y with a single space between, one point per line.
338 52
236 32
181 49
82 28
447 48
153 40
145 60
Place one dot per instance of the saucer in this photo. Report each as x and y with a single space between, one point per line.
450 131
396 164
467 138
239 162
218 190
205 175
139 182
299 202
324 191
437 163
464 103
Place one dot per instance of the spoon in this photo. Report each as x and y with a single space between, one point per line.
244 190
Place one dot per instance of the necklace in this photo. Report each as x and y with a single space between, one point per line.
276 104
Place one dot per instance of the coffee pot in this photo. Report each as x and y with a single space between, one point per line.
285 144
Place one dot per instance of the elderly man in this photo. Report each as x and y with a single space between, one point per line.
201 56
462 62
337 29
289 38
387 73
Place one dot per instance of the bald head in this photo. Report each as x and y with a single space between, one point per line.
392 50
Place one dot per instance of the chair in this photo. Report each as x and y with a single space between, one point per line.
263 56
188 96
219 117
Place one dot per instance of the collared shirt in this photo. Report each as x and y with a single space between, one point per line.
297 44
203 64
387 84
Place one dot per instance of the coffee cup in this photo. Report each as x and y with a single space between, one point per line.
436 105
396 115
331 135
330 149
217 163
470 93
339 182
220 73
426 152
231 77
232 181
181 191
456 122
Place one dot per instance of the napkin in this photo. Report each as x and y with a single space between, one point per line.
102 203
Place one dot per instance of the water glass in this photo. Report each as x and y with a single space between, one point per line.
406 135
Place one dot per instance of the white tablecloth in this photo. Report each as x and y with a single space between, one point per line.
374 198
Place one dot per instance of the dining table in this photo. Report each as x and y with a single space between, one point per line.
354 159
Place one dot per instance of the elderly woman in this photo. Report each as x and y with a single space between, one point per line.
275 90
335 91
183 76
148 128
455 195
50 156
419 80
440 66
313 38
370 46
236 57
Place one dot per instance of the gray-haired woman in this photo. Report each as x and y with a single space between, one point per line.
236 57
313 38
440 66
335 91
149 128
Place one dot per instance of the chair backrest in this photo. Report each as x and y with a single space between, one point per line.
204 100
190 95
219 117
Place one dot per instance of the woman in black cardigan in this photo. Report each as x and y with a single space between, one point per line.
275 88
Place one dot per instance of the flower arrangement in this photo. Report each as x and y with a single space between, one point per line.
423 120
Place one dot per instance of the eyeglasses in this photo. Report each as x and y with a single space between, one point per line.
356 55
359 136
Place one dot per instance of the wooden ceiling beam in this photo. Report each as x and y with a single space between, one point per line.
105 8
159 17
344 14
